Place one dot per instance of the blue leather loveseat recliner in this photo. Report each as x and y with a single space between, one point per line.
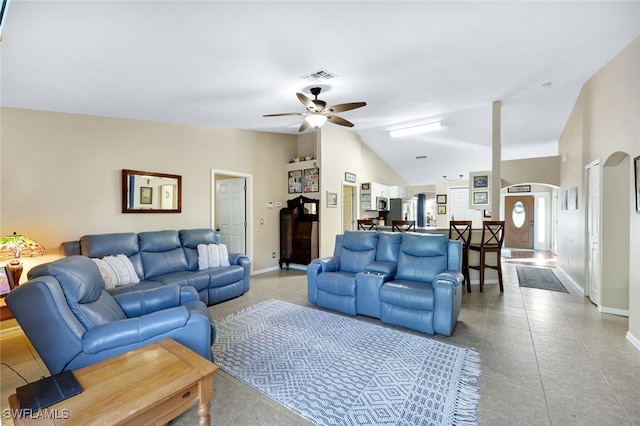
406 279
73 322
169 257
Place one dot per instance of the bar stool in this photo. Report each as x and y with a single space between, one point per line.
366 224
461 230
492 238
403 225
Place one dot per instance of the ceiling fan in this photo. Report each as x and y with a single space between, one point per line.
318 112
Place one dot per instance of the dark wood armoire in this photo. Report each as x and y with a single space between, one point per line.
299 231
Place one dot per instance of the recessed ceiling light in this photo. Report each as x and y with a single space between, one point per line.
414 130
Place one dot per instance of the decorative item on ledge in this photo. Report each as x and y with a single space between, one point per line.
14 246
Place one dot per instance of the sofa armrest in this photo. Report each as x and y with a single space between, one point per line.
142 302
447 292
133 330
237 258
315 268
328 264
453 278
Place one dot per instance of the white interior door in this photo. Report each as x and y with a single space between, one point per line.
458 207
594 272
231 213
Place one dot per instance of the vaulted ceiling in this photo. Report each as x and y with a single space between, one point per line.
224 63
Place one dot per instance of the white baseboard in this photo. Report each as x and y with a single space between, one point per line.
277 268
572 281
634 341
614 311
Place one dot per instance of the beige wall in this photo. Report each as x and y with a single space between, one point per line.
343 151
61 175
604 127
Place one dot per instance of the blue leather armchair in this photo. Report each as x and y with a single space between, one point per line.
425 294
332 280
73 322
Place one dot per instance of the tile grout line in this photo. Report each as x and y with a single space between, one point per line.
586 348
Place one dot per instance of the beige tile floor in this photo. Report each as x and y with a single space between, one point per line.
547 358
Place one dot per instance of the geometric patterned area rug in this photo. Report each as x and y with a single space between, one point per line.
336 370
542 278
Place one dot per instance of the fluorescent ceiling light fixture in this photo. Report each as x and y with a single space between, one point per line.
414 130
316 120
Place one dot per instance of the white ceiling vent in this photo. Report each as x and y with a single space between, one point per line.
319 75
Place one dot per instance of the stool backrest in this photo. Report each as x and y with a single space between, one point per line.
460 230
403 225
493 233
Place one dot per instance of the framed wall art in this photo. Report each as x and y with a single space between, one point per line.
350 177
332 199
519 188
481 197
481 181
573 199
295 182
311 180
636 167
146 195
441 199
442 209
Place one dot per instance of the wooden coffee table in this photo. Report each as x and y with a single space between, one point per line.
149 385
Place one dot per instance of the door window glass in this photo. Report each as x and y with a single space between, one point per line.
518 215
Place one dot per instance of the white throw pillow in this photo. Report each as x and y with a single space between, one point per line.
117 271
212 256
224 255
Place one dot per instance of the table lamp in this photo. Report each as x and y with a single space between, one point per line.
14 246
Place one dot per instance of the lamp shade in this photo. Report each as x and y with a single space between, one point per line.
14 246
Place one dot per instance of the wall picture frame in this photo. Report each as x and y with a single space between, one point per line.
146 195
481 198
332 199
481 181
349 177
636 168
442 209
519 188
572 203
441 199
311 180
294 181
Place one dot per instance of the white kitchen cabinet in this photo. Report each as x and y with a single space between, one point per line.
397 192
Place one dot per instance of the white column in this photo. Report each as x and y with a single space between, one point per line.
496 158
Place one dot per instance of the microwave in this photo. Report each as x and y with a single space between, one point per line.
382 204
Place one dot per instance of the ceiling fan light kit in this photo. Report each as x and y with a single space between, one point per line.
316 120
414 130
318 113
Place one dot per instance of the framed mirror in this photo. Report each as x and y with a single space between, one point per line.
149 192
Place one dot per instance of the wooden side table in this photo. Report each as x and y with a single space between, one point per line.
149 385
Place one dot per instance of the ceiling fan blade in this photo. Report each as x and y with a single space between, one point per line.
303 126
283 113
308 103
339 120
346 107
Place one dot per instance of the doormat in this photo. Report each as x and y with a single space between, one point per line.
337 370
542 278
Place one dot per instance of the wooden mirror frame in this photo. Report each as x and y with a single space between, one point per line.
146 193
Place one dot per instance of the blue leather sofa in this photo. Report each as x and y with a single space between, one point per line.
169 257
73 322
406 279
